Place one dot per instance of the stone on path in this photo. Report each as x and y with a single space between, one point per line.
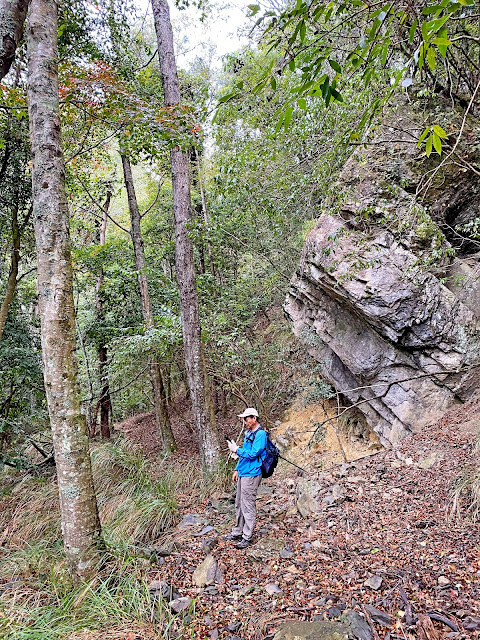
192 520
359 627
273 589
266 549
180 604
379 616
306 502
204 531
312 631
160 589
374 582
207 573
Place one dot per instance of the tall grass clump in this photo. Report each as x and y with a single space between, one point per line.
136 503
119 595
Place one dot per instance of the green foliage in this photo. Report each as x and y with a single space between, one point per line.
119 595
332 47
22 397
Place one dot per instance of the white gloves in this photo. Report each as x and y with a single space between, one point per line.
233 446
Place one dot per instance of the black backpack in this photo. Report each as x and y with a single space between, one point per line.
270 459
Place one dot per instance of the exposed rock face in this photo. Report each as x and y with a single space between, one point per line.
370 305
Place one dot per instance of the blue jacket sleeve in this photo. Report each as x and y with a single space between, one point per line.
259 444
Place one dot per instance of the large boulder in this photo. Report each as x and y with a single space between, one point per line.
370 299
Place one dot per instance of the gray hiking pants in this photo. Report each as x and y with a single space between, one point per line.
245 506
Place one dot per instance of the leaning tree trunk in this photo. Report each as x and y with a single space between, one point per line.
12 19
104 402
184 263
79 515
158 387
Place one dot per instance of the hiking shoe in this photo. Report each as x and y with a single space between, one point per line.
243 544
231 536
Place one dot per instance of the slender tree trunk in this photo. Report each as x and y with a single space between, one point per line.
159 396
12 19
12 276
79 515
206 218
104 401
194 359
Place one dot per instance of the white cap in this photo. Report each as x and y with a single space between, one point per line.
250 411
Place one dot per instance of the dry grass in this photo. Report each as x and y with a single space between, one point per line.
466 494
137 500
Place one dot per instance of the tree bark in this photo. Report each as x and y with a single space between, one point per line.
105 402
12 276
156 379
184 263
12 19
79 515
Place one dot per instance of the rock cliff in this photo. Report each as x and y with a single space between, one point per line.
377 297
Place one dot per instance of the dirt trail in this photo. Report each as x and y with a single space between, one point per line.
386 541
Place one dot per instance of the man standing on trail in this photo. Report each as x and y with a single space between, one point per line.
247 475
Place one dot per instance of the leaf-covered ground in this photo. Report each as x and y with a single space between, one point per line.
391 522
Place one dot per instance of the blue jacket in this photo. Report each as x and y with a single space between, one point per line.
252 453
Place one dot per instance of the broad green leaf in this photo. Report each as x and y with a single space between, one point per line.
423 136
442 45
291 64
229 96
273 83
437 143
288 117
439 131
425 31
254 9
431 58
411 32
428 146
421 58
302 103
383 56
338 97
335 66
303 30
435 25
435 8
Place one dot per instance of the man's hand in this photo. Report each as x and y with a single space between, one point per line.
235 476
232 445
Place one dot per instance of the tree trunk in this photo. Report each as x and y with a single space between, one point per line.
104 401
12 276
79 515
158 388
12 19
206 219
194 358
